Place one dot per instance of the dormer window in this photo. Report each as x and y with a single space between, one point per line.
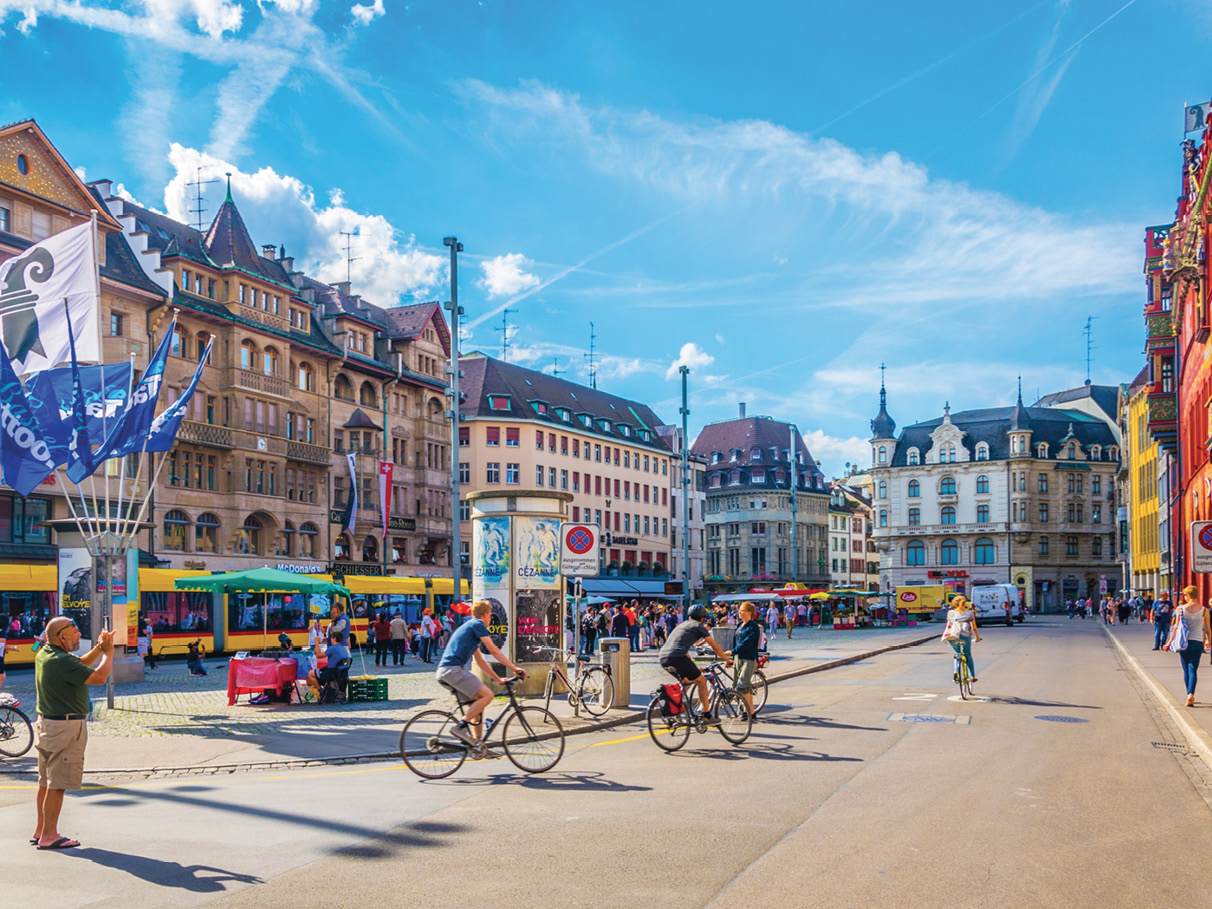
716 457
982 451
586 421
539 407
564 414
755 454
624 430
604 425
735 454
914 457
757 475
1096 453
498 402
1041 450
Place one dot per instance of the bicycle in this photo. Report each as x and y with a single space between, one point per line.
16 731
725 710
532 737
962 677
757 681
594 688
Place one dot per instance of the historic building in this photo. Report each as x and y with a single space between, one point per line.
750 472
698 512
1141 525
1023 495
300 373
528 430
853 556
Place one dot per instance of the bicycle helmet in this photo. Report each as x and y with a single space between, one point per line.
697 612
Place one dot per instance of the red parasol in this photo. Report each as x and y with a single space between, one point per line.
461 608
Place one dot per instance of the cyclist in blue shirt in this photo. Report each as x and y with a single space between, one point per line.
464 645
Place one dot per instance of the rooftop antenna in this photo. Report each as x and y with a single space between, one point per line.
197 184
504 330
593 367
555 367
1088 331
350 258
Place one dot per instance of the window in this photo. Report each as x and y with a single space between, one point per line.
115 325
982 514
492 436
464 472
915 517
883 489
551 477
1043 482
269 362
1043 546
984 552
1041 450
982 483
947 486
1097 546
947 514
915 553
175 524
513 474
982 451
883 454
949 552
538 475
306 377
1096 485
1043 512
248 354
492 472
913 457
915 489
512 436
6 219
883 517
1071 546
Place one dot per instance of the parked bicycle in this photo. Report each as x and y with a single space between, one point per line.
670 725
16 732
532 737
593 688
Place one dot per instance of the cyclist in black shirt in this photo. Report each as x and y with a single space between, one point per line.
675 655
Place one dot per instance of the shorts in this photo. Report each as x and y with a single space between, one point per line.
461 680
144 645
2 670
744 675
60 746
681 666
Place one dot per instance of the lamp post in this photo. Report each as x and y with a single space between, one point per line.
454 373
793 477
685 411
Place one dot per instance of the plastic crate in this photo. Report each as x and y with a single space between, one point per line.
367 689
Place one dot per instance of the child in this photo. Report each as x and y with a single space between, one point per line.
197 650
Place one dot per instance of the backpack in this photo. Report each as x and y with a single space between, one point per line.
670 699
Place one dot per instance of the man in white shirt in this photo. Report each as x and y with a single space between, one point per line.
789 618
772 622
429 628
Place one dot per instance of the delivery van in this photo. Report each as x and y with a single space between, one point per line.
997 603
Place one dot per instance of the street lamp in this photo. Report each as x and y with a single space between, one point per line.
454 374
685 411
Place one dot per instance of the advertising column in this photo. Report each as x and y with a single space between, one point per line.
537 588
491 548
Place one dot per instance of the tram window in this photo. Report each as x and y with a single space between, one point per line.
174 611
278 611
30 610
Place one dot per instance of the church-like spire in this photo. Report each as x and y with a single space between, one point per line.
883 426
1020 419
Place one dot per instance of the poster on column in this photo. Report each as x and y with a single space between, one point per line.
537 620
537 544
490 573
76 591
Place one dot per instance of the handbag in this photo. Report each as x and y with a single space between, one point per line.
951 633
1179 641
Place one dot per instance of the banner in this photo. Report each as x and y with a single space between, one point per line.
351 502
25 459
50 394
385 470
163 433
79 448
1195 116
33 288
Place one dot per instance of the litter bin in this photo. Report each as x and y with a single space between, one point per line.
616 654
725 636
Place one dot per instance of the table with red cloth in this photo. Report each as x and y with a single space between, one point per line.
253 675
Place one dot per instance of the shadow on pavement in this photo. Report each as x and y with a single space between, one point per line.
195 878
585 781
1025 702
821 722
746 752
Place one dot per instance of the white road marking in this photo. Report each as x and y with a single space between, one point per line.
916 697
961 700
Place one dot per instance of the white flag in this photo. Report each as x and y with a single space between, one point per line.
351 515
1195 116
33 286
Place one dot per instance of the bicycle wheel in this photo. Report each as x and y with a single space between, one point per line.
534 739
597 691
16 733
669 732
964 685
758 681
733 715
429 747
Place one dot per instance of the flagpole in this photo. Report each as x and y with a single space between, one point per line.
101 359
130 382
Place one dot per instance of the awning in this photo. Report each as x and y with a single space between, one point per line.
21 578
618 588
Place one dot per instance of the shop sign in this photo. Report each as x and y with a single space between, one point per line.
194 564
947 574
337 516
346 568
300 569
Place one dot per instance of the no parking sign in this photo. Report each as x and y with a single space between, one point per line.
1201 546
579 550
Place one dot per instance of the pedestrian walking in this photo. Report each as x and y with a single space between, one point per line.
399 636
633 626
619 626
382 630
61 680
1163 614
772 622
802 612
789 618
589 630
1125 611
1190 622
429 628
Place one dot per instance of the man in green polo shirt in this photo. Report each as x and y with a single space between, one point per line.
61 732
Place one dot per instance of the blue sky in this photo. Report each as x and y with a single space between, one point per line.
782 196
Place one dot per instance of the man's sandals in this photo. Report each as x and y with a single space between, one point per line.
64 842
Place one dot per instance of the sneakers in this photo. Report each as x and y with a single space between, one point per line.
974 679
463 733
955 677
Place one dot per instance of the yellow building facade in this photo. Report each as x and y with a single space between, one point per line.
1143 505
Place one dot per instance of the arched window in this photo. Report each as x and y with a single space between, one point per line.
1096 453
179 346
1041 450
286 540
203 339
947 514
251 537
1113 453
269 361
984 553
1072 451
947 486
915 517
883 455
206 533
982 452
915 553
883 517
368 396
306 377
982 514
308 534
915 489
248 354
913 457
175 525
370 550
982 483
883 489
342 547
342 388
949 552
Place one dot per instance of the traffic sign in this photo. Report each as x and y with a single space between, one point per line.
578 550
1201 546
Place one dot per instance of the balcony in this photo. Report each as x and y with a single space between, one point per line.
206 434
312 454
251 380
1159 325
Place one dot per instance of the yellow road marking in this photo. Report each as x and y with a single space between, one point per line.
245 778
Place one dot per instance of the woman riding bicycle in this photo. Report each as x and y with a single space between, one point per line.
961 621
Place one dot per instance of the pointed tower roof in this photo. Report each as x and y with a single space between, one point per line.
229 243
883 426
1019 418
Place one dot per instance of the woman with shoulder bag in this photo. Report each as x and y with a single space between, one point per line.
1190 636
961 632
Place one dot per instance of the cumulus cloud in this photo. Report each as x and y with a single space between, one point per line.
834 453
505 276
364 15
281 209
691 355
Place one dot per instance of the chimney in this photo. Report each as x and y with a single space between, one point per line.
269 251
343 287
288 262
742 406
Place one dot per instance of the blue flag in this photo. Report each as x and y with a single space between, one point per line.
50 394
79 449
126 435
163 433
25 459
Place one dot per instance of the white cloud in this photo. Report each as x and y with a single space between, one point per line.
504 275
281 209
28 22
690 355
719 339
836 452
364 15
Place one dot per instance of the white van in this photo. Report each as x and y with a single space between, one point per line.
998 603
